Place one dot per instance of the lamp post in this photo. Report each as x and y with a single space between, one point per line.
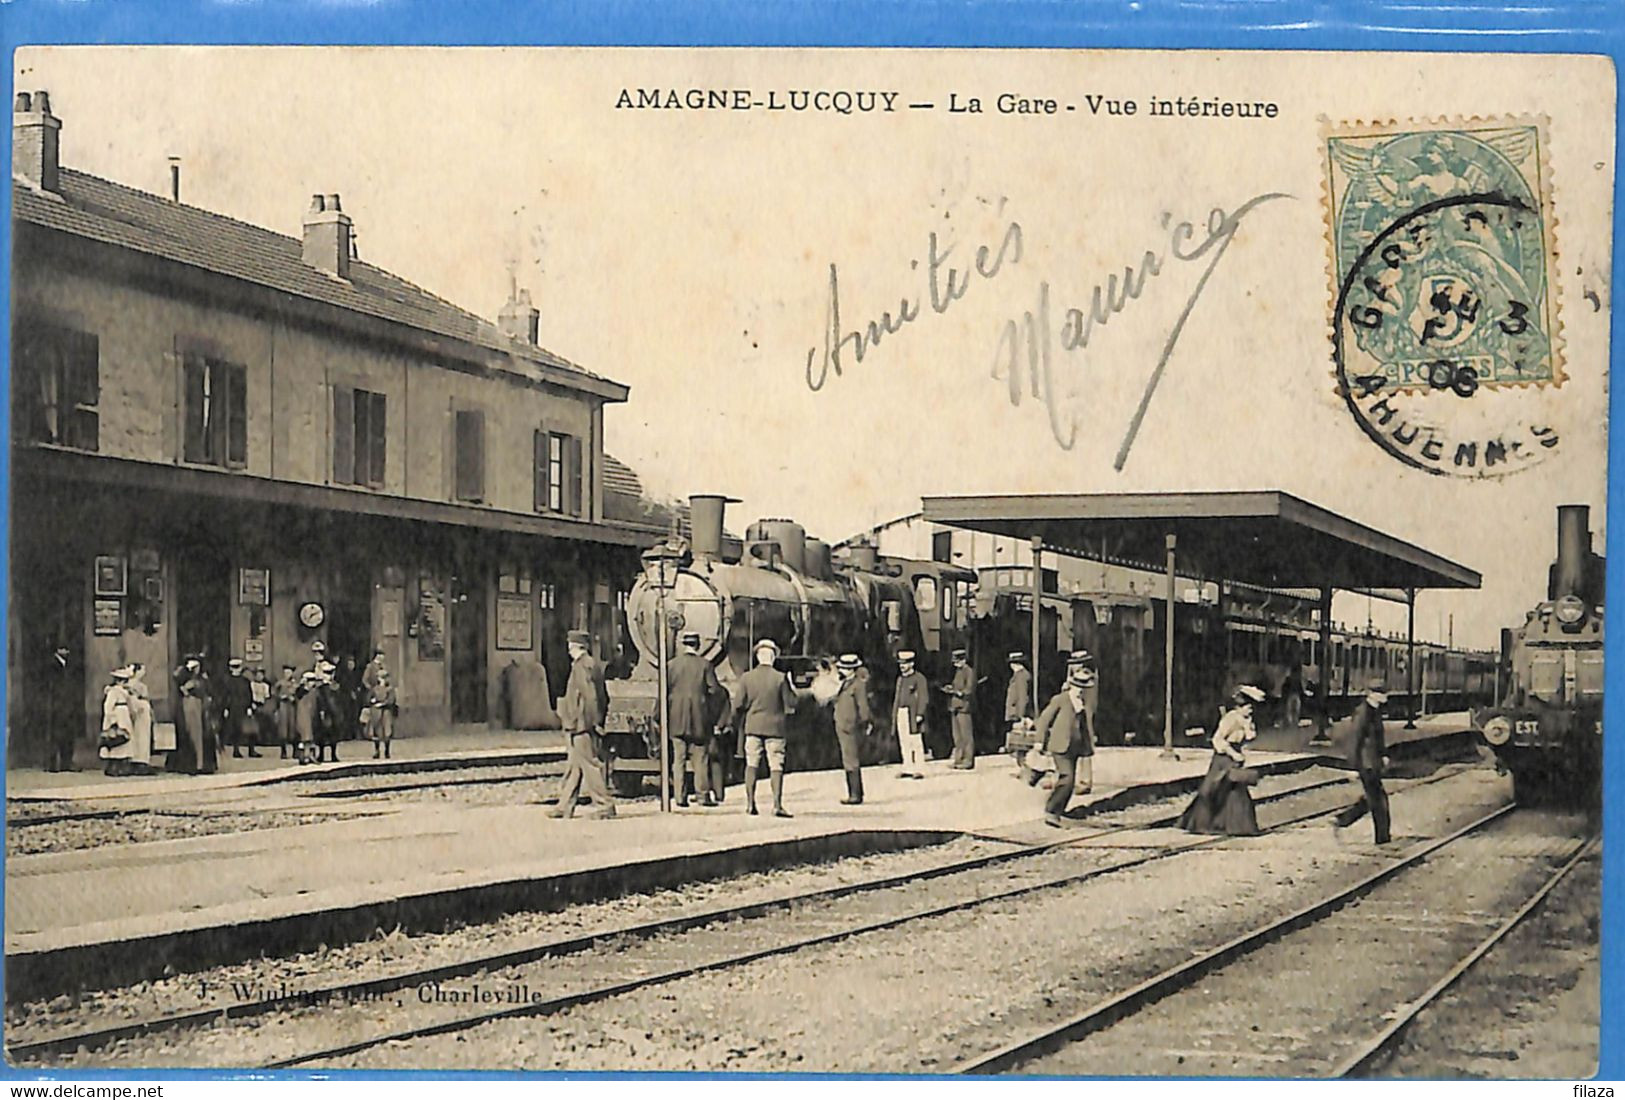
660 566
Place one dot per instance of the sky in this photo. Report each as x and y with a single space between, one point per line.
689 252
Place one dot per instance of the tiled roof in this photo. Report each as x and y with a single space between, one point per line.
112 213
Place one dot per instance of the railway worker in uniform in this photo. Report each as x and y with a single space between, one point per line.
583 708
852 720
1222 804
912 695
961 692
241 719
695 700
1018 706
1064 731
1366 750
761 710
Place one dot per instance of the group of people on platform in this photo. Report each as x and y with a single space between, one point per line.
305 714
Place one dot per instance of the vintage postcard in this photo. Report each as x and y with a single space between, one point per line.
921 561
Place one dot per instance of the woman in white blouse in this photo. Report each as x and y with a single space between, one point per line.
1222 803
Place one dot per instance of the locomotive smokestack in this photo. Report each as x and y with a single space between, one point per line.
818 559
705 512
1573 551
864 556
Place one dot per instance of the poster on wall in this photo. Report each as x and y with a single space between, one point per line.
431 621
110 575
109 615
254 587
513 622
389 617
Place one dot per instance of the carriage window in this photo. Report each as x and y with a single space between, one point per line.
950 603
925 593
893 610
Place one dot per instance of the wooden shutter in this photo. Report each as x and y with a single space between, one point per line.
572 473
344 435
194 447
378 439
80 419
236 414
470 454
539 470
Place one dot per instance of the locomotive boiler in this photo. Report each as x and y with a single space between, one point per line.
787 587
1547 726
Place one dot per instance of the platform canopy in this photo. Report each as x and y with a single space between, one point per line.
1266 538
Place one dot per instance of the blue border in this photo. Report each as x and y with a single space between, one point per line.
1557 26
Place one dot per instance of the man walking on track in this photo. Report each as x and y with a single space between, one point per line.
762 708
1064 732
852 719
1365 751
696 700
961 702
583 708
912 695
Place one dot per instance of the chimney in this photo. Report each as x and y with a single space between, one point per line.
1568 572
327 236
35 134
705 511
519 318
175 179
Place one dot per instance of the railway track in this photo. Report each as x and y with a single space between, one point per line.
599 988
1119 1030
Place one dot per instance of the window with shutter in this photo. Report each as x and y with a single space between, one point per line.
573 475
538 444
377 437
236 392
555 472
194 394
57 386
470 455
215 395
344 435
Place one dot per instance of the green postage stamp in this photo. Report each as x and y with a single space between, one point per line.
1444 272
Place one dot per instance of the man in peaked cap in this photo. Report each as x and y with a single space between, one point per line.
912 696
582 709
1065 731
1018 705
762 710
852 719
696 700
961 692
1366 749
239 721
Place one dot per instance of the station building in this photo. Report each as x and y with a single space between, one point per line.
231 441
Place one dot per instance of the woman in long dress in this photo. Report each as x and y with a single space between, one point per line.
1223 804
118 728
141 735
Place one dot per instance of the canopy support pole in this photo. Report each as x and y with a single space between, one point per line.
1410 658
1168 660
1038 592
1323 717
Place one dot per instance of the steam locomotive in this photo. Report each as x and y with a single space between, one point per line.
1546 728
787 587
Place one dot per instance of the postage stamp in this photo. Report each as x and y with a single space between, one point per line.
1444 269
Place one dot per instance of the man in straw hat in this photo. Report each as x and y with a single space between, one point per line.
1065 731
762 707
1365 750
582 709
852 719
911 697
697 699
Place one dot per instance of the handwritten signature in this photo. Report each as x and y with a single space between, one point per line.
1032 337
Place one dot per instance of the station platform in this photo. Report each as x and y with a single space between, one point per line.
126 912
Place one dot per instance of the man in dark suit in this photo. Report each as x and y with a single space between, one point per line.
62 713
852 720
1366 748
695 700
582 709
1064 732
762 707
241 724
961 692
1018 704
911 699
